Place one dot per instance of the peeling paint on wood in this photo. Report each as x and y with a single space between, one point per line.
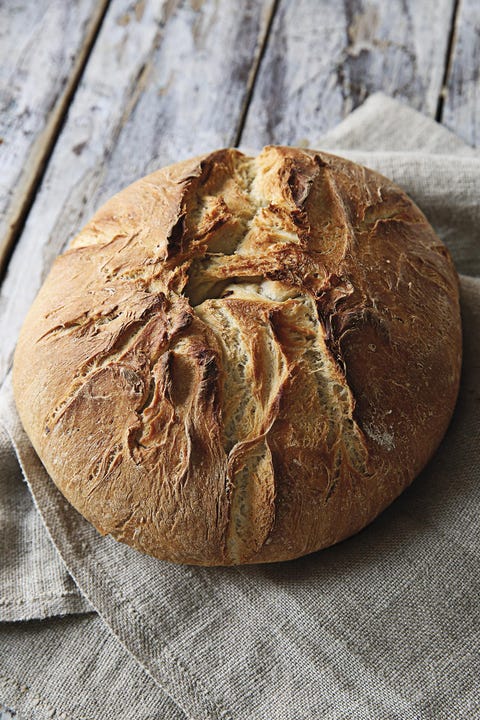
324 58
168 82
461 109
38 69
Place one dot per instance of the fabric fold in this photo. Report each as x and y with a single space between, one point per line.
34 582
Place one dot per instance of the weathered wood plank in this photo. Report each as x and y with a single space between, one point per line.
165 80
461 109
43 46
324 58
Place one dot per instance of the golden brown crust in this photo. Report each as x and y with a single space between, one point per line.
243 359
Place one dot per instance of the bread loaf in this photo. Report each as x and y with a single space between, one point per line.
242 359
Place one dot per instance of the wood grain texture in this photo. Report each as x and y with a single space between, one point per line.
461 109
164 81
324 58
43 46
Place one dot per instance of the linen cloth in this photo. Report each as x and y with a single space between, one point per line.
34 582
384 625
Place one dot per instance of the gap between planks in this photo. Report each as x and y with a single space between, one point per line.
448 61
48 139
254 74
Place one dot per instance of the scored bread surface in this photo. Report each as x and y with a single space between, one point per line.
242 359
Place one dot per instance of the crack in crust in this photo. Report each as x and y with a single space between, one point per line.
267 326
263 327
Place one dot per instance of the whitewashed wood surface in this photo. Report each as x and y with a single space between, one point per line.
461 110
166 79
43 46
324 58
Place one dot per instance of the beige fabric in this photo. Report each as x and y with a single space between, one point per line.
34 582
72 668
384 625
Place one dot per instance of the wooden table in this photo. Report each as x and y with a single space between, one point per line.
96 93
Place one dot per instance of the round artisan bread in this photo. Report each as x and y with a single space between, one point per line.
242 359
